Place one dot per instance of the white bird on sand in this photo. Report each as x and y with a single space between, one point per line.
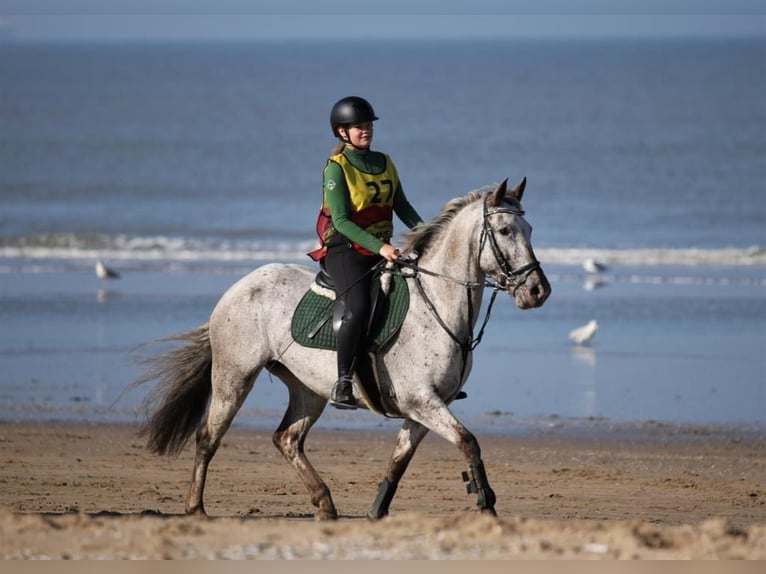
592 266
105 272
583 334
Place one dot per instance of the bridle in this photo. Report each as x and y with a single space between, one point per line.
511 279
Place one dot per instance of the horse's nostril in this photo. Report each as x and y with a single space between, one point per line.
541 292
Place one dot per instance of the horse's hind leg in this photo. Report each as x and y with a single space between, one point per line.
228 394
304 409
407 441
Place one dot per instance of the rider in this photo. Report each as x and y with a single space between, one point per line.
361 191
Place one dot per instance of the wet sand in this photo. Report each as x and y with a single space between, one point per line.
72 490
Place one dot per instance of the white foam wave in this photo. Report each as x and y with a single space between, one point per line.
158 248
749 256
162 248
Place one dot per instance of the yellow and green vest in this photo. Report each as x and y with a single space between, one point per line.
371 204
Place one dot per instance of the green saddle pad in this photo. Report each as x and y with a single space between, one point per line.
312 319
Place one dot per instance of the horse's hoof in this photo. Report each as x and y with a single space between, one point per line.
489 512
324 515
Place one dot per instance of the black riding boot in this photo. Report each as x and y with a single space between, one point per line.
347 336
343 394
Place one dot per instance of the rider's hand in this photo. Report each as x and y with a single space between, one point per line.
389 252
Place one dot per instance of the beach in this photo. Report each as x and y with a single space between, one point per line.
661 491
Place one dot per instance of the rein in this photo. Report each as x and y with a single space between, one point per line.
514 278
471 342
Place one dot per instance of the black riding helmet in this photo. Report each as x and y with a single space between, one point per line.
350 110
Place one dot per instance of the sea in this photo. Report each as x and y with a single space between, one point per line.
186 165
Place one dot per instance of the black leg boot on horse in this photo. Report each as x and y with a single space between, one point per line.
347 336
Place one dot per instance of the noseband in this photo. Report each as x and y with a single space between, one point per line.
512 278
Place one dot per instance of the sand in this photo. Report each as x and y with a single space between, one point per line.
77 491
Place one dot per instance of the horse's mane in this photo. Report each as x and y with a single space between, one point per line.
420 238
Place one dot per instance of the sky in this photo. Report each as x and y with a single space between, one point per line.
205 20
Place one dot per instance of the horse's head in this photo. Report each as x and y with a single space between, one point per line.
506 254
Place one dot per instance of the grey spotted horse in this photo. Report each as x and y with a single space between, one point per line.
480 239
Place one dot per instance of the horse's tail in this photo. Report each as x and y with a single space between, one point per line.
176 405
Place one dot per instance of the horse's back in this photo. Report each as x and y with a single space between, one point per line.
266 296
275 281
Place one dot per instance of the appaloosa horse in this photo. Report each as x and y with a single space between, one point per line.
478 240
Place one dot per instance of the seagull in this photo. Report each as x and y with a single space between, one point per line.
583 334
593 282
105 272
592 266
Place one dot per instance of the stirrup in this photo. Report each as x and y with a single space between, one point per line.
342 395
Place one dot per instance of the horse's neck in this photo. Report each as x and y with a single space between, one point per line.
455 255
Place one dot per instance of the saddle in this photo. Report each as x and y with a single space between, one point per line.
312 326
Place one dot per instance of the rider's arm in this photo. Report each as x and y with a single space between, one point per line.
404 209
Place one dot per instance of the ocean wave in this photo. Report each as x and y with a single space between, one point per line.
70 246
724 256
83 247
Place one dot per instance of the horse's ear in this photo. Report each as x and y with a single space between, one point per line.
499 194
518 191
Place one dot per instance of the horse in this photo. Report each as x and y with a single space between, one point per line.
480 239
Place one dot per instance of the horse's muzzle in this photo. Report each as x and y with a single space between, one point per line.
534 291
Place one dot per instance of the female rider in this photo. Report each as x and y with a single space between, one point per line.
361 191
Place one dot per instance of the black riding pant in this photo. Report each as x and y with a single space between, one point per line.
350 271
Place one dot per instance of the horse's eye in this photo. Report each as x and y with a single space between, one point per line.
504 230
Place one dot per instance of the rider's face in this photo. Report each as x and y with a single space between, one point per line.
360 135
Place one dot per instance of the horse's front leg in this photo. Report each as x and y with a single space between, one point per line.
438 418
407 441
